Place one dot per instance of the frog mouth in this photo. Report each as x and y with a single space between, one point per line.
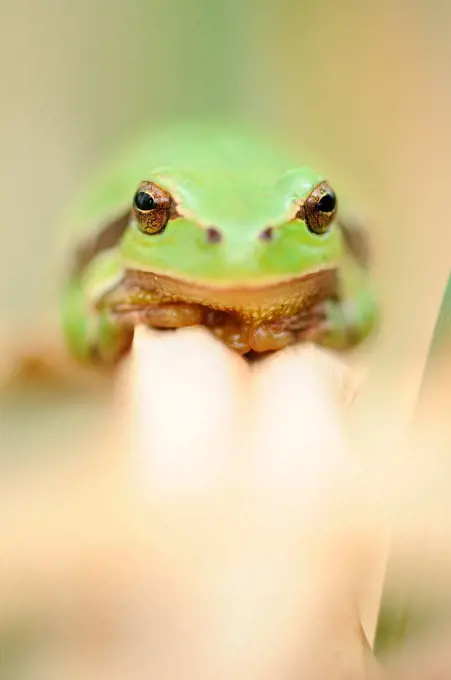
150 279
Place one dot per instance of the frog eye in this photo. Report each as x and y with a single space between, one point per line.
319 208
152 207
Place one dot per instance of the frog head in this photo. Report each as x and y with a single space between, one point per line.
226 229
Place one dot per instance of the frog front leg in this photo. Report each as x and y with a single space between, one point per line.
350 317
101 310
103 336
92 336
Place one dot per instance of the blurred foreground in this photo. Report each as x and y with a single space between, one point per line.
218 520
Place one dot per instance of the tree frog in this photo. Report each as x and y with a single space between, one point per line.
203 224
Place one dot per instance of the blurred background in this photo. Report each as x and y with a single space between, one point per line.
363 90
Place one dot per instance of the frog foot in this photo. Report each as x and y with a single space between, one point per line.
333 325
168 315
243 337
113 333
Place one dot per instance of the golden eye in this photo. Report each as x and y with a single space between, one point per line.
319 208
152 207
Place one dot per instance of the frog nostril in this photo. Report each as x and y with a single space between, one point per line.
267 234
213 235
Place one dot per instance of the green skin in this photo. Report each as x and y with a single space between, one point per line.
240 185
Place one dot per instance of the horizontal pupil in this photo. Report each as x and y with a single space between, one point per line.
327 203
144 201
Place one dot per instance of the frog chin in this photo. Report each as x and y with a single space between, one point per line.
253 300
